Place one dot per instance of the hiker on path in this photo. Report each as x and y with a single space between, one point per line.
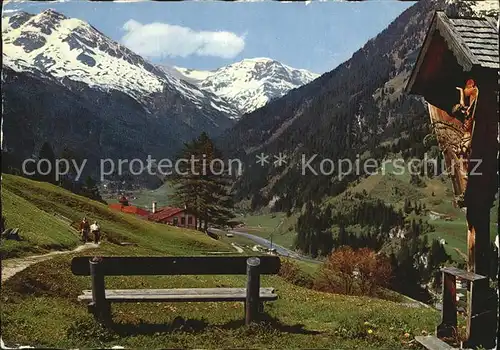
96 231
84 229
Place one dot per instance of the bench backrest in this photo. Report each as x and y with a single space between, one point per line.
185 265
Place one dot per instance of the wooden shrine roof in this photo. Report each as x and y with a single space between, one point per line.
480 36
473 42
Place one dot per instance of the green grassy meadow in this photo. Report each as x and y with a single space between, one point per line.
437 195
40 307
277 226
145 197
37 204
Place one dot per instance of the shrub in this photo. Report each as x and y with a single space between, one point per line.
292 273
373 270
338 267
350 271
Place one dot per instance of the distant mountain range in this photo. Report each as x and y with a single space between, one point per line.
250 83
66 83
70 48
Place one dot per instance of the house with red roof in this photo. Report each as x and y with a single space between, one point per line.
165 215
173 216
125 207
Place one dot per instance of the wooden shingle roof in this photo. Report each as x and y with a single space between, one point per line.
472 41
481 38
165 213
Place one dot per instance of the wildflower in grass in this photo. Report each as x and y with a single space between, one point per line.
370 331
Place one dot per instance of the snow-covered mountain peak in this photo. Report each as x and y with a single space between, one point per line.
68 48
263 67
251 83
472 8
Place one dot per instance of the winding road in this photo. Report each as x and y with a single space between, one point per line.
268 244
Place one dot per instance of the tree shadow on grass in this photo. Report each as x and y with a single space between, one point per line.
179 324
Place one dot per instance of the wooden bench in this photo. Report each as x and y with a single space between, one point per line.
99 299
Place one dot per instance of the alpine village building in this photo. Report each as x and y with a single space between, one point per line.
180 217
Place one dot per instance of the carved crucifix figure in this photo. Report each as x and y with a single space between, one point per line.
464 112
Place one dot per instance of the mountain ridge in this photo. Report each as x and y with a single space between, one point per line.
69 47
250 83
66 83
359 108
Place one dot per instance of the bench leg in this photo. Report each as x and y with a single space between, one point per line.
253 289
257 316
481 322
448 326
101 307
102 315
261 307
105 315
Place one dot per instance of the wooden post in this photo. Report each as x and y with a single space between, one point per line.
481 320
253 290
101 307
479 198
478 238
448 326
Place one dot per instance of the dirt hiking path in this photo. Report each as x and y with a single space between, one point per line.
12 266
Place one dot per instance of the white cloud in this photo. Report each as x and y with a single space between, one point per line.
162 39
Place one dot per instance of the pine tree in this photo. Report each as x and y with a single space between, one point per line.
187 187
90 189
343 236
47 153
407 206
203 185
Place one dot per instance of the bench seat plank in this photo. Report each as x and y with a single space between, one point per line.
462 274
433 343
176 291
179 295
179 265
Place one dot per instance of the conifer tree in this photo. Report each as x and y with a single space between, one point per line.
47 153
202 185
90 189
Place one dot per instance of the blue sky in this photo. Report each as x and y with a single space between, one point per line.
207 35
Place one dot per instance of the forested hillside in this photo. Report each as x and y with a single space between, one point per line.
359 108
